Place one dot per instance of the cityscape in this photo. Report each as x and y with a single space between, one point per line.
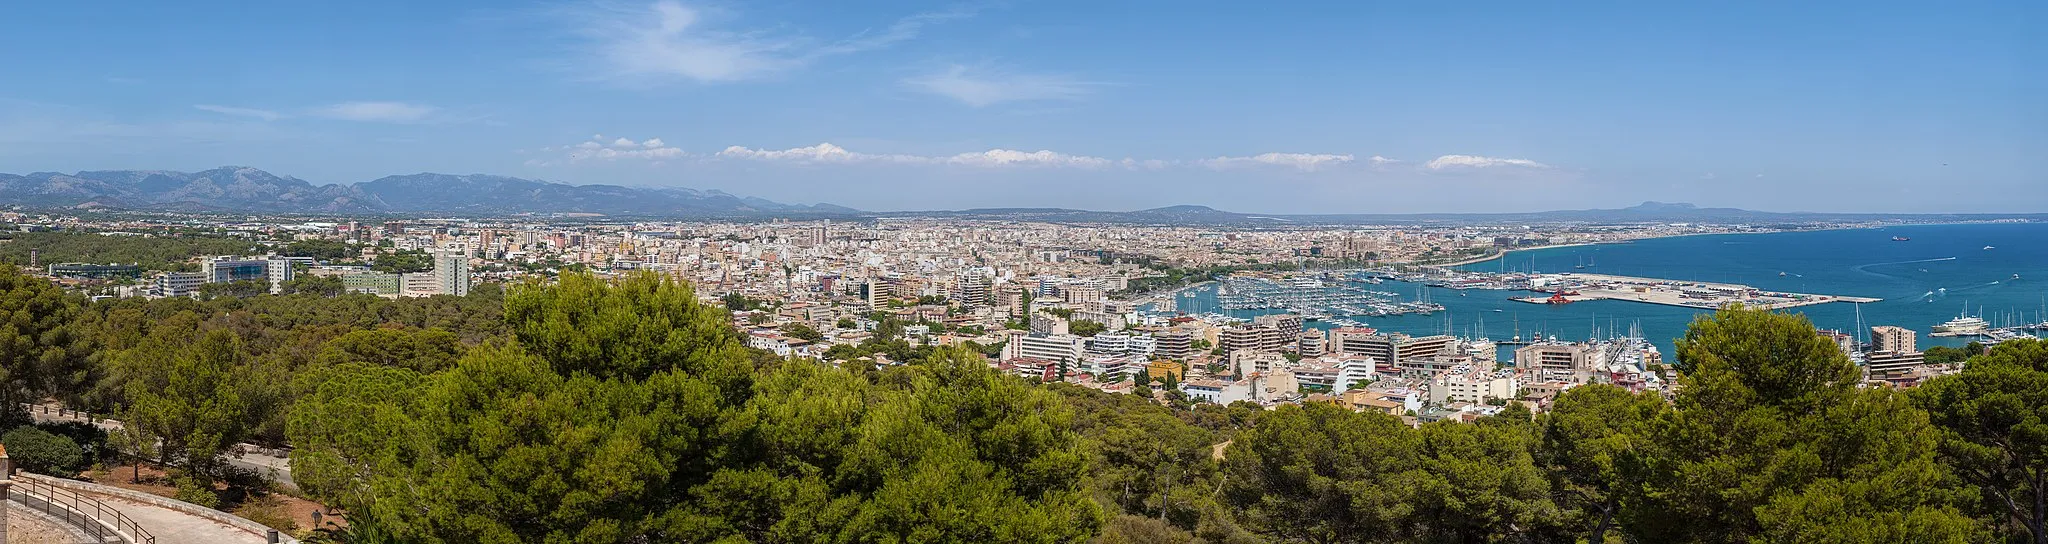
1091 304
946 271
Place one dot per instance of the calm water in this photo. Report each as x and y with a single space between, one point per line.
1924 282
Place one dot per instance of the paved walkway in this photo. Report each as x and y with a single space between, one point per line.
174 527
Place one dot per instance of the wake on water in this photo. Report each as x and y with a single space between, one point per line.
1865 268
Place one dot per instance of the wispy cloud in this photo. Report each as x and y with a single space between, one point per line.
903 29
380 112
668 40
253 113
979 87
1474 161
1306 162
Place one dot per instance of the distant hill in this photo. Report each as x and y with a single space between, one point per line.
244 189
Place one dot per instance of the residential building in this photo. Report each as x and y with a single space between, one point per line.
1893 339
1563 357
451 271
1049 347
1178 345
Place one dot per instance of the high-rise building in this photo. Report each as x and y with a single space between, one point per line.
1892 351
1253 337
1893 339
1178 345
1011 299
1311 343
1351 340
1086 297
973 288
875 292
451 271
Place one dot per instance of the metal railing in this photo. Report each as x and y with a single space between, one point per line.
79 510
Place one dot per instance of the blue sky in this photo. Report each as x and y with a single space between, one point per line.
1247 106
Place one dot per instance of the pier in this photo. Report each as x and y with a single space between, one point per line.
1572 287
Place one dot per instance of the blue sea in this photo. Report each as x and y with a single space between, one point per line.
1942 272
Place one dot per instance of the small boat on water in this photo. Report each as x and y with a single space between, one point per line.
1901 239
1989 248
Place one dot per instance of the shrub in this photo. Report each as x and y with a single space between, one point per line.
37 451
194 491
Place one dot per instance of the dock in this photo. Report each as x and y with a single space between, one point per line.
1684 294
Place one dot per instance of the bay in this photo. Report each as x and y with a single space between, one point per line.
1943 271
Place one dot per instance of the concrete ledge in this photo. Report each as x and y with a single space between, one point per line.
230 520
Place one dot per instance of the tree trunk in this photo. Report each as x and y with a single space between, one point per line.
1166 495
1606 521
2040 537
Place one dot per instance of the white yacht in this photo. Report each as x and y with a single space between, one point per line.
1966 324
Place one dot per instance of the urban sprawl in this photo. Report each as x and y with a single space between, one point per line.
1093 305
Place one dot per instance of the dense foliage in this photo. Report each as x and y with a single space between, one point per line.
172 253
594 410
403 262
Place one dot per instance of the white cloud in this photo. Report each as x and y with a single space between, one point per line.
1306 162
980 87
1475 161
266 115
824 152
383 112
669 40
829 153
595 149
1007 157
654 150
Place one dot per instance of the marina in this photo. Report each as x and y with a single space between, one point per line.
1327 295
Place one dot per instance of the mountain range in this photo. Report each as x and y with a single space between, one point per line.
249 190
243 189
